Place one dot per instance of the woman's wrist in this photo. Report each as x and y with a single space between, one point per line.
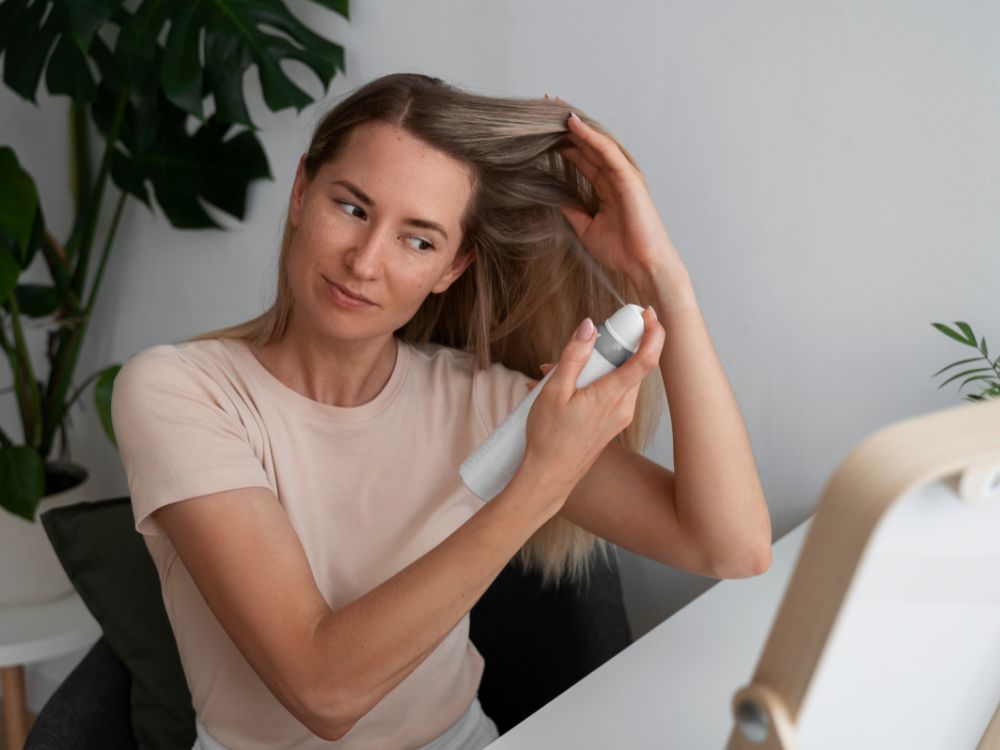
663 280
535 482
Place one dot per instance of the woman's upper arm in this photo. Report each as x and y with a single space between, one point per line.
195 475
637 513
250 567
179 434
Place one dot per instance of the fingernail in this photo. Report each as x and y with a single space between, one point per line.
652 311
586 330
572 116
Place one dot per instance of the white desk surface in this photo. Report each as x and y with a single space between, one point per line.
35 632
673 687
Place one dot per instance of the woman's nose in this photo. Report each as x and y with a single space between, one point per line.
365 256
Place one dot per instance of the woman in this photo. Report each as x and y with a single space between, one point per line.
320 570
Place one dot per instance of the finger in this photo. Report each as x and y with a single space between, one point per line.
637 366
572 360
545 367
585 148
614 181
577 218
588 168
605 190
597 141
602 148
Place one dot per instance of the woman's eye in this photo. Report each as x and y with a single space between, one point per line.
349 209
426 245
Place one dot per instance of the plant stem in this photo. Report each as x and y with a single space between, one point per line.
104 254
59 267
80 151
77 393
5 345
995 368
27 396
93 207
70 340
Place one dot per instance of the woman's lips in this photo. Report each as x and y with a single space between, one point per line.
345 298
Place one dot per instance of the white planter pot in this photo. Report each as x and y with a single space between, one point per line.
30 572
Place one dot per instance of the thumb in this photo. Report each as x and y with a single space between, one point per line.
573 359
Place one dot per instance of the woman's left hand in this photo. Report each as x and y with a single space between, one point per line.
626 234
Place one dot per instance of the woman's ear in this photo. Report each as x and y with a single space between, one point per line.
298 193
462 261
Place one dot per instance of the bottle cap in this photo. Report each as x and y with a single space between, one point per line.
627 326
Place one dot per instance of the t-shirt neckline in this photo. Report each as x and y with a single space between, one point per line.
317 409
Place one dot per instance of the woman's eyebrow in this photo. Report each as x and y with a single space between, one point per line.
364 198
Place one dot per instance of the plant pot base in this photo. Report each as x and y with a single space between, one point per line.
31 573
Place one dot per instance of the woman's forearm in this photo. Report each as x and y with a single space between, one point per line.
718 493
369 646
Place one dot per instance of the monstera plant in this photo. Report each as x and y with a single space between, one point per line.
138 74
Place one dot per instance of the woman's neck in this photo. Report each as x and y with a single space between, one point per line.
345 373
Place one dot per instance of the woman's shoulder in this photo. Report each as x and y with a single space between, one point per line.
494 389
183 352
440 360
180 367
450 361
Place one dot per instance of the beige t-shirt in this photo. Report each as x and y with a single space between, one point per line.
368 489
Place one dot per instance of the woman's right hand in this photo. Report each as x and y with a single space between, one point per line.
567 427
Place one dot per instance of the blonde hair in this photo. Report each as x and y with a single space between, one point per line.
530 284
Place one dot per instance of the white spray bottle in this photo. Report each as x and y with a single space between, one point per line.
489 469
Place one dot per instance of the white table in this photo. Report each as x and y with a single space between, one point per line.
673 687
36 632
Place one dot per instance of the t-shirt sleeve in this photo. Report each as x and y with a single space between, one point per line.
178 433
498 389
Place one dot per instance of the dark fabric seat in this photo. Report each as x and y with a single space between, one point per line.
536 642
90 709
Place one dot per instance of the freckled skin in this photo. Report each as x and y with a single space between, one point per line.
371 250
342 356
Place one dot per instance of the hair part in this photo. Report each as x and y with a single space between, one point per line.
531 282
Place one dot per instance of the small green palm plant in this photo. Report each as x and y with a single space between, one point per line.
988 376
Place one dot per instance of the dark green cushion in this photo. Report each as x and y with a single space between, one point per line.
108 563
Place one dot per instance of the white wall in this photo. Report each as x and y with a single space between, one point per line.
828 174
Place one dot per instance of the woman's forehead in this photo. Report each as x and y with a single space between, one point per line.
394 168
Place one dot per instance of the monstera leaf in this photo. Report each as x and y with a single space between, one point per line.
233 39
154 146
27 40
205 53
163 82
209 46
20 221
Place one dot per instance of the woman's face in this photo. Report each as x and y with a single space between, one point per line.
382 220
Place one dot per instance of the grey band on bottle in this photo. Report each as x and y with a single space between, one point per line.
609 347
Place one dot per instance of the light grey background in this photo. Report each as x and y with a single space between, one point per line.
829 173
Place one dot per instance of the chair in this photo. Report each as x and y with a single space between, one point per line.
537 641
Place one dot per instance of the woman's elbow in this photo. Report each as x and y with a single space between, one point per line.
327 714
745 567
332 732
